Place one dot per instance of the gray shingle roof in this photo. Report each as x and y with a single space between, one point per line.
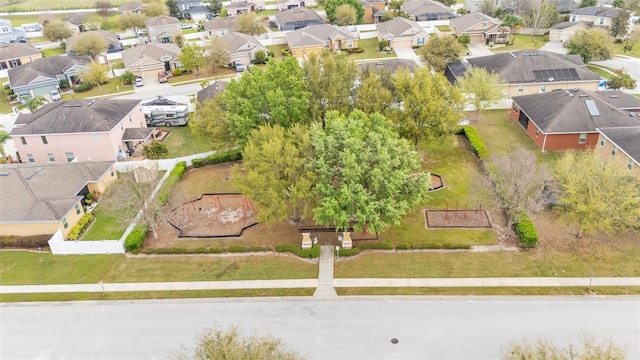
46 67
150 51
466 22
111 38
415 8
74 116
218 23
316 35
398 27
49 194
161 20
233 41
137 134
529 66
297 14
17 50
626 139
212 90
598 11
567 112
131 6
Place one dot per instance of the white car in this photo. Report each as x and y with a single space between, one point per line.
55 95
139 81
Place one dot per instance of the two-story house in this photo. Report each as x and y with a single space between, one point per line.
16 54
373 10
9 34
163 29
80 130
315 38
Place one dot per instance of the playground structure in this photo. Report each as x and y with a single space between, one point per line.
213 216
458 218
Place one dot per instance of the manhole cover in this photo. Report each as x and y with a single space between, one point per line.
394 341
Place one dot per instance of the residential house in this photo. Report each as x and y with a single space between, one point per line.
185 5
569 119
565 6
149 59
297 18
427 10
401 33
595 15
373 10
476 5
393 65
283 5
211 91
220 26
113 42
620 146
44 198
80 22
9 34
531 71
131 7
31 27
197 13
481 28
564 31
236 8
241 47
315 38
40 76
163 29
16 54
80 130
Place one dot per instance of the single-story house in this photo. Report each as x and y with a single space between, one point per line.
620 146
149 59
531 71
113 42
314 39
131 7
163 29
79 22
220 26
297 18
80 130
241 47
40 76
564 31
211 91
197 13
16 54
44 198
9 34
392 65
481 28
283 5
401 33
427 10
373 10
569 119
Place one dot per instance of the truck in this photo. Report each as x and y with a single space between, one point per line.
165 112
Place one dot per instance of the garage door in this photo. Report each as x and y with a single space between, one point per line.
401 44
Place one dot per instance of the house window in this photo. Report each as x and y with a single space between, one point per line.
30 158
130 118
15 63
69 156
64 223
51 158
601 21
520 88
77 209
421 41
5 29
614 150
630 164
573 18
349 44
543 88
23 140
165 40
602 141
583 138
537 132
44 140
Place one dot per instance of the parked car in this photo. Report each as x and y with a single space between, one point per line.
139 81
186 26
239 66
55 95
162 77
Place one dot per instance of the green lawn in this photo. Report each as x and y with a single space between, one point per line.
106 226
600 70
107 89
619 50
181 142
20 267
5 106
443 28
523 42
277 50
53 52
370 47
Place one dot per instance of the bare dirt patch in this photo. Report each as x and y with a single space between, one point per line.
457 219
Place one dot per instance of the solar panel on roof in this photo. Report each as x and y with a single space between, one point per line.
591 106
556 74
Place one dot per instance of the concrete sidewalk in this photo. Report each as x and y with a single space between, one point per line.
313 283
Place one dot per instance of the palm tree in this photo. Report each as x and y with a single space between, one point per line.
4 136
512 22
34 103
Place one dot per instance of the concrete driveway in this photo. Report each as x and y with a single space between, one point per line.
477 50
408 54
554 47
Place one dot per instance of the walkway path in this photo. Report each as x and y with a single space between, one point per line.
325 285
325 273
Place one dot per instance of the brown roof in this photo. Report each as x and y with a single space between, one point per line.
218 23
465 22
17 50
316 35
297 14
234 41
150 51
399 27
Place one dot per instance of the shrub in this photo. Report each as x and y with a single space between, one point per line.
224 157
314 252
173 178
197 162
240 249
135 239
33 241
354 50
285 52
383 44
85 86
128 78
64 83
348 252
77 229
375 245
176 72
477 146
526 232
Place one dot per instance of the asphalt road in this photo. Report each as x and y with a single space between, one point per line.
348 328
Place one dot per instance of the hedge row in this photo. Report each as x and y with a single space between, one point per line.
217 159
135 239
526 232
445 246
34 241
314 252
77 230
374 245
175 176
206 250
477 146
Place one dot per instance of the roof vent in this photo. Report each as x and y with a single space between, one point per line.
632 114
614 96
575 89
91 102
67 105
583 95
551 79
4 174
591 106
77 105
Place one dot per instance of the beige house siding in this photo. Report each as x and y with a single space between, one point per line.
620 159
301 52
29 228
528 89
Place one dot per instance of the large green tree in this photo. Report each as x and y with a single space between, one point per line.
372 96
217 56
131 21
155 150
330 77
104 8
594 44
367 175
251 24
330 7
174 10
96 74
276 176
481 88
192 57
427 106
56 30
215 6
210 123
274 95
620 24
599 197
346 15
35 102
89 43
441 50
155 8
512 21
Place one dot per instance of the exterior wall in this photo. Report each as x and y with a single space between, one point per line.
42 88
528 89
402 43
218 32
563 35
620 159
29 228
6 64
367 18
301 52
101 184
72 218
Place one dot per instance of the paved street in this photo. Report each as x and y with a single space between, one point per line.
631 65
345 328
